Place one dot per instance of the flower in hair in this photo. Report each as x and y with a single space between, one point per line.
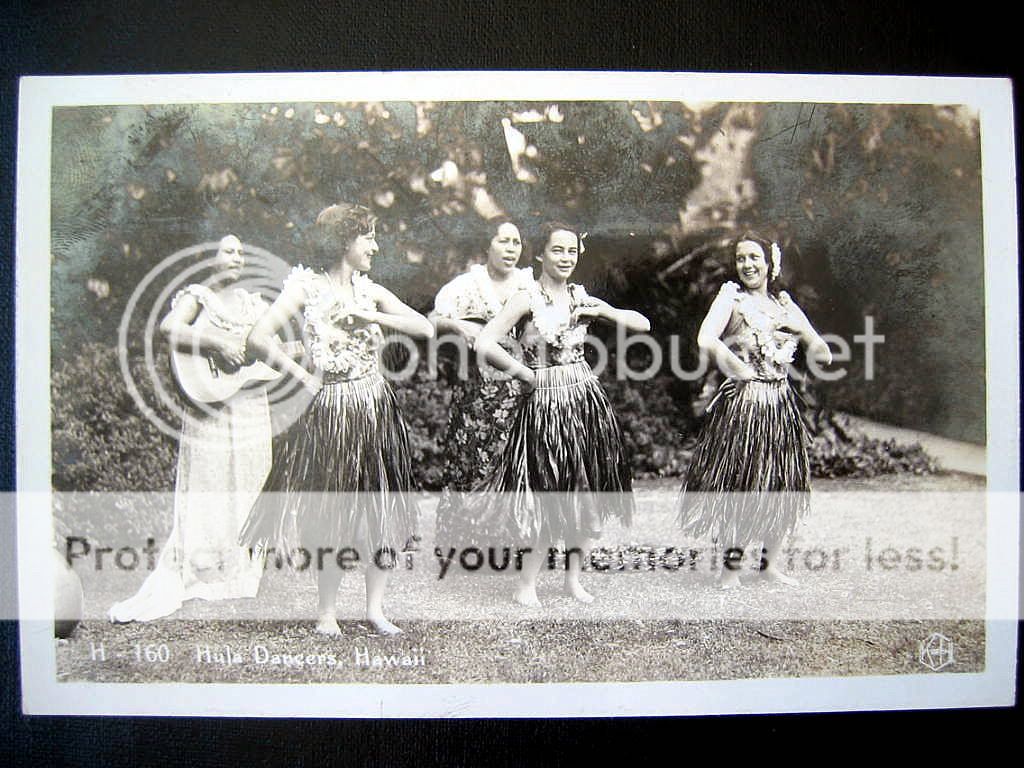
776 261
583 236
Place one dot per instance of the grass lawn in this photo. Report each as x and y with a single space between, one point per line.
865 602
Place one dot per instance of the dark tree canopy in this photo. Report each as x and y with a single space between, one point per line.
877 208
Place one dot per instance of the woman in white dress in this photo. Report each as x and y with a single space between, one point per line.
223 455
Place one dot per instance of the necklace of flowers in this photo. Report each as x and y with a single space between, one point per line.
334 308
248 311
556 330
763 325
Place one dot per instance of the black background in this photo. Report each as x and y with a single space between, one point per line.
87 37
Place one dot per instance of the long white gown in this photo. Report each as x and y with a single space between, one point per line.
223 460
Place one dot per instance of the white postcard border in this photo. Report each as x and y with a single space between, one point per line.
41 692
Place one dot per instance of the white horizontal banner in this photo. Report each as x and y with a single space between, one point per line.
854 556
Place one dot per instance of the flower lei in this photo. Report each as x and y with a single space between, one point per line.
485 288
339 349
764 327
252 306
554 330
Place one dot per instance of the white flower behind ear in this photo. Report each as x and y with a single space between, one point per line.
776 261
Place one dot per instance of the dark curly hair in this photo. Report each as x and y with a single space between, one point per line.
487 229
766 246
548 228
337 227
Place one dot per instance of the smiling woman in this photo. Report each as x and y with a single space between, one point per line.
749 476
342 473
565 445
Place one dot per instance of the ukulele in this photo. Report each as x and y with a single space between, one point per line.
204 381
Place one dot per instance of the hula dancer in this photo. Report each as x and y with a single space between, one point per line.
482 406
565 445
749 478
341 475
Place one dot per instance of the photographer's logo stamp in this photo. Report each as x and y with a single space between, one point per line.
936 652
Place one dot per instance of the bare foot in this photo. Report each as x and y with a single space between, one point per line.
778 577
729 579
383 626
575 590
328 625
527 596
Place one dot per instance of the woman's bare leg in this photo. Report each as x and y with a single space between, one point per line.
327 581
574 567
728 578
526 591
773 561
729 573
376 583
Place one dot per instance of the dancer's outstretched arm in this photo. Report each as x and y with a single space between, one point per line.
395 314
629 319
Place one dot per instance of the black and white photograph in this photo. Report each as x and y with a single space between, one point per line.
516 394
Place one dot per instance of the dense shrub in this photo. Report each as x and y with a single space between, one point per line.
652 425
424 402
838 450
102 442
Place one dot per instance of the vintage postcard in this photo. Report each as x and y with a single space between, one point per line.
516 394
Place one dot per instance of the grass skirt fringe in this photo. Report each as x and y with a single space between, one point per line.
341 476
749 478
564 470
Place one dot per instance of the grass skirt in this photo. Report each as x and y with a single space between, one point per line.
749 477
341 476
564 470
